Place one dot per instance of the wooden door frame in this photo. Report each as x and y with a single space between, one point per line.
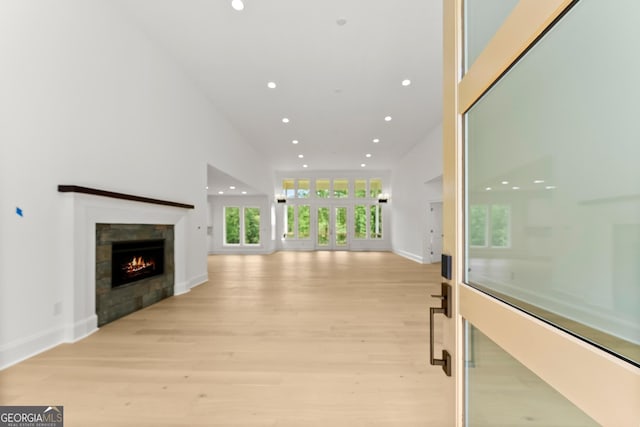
610 391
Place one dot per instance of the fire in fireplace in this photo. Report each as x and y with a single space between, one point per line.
136 260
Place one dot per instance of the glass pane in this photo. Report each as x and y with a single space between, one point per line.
291 218
375 187
503 392
288 188
232 225
252 226
376 222
360 222
303 188
482 20
323 226
360 187
478 225
340 188
304 222
341 226
553 150
322 188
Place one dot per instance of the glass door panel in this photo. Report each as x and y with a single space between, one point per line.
529 401
323 227
341 226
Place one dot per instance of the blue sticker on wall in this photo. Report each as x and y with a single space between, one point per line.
19 212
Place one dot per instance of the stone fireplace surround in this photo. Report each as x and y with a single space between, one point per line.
115 302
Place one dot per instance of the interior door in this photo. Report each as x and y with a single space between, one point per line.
542 332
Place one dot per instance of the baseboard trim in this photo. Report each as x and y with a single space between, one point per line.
22 349
409 255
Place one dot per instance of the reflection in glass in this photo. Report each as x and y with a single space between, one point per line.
553 183
503 392
482 20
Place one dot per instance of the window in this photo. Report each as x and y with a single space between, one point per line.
288 188
322 188
360 188
375 187
376 221
290 222
251 226
303 188
360 222
340 188
489 226
304 221
247 225
232 225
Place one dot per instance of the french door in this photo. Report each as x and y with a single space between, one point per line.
541 212
331 228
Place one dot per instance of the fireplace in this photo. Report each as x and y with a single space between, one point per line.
136 260
135 268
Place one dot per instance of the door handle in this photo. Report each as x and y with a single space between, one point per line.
445 308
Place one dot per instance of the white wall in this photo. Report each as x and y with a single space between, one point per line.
412 193
88 100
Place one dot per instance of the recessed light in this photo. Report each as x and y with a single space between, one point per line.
207 187
220 192
305 166
237 4
232 187
368 155
295 141
515 188
363 165
505 182
406 82
538 181
271 85
388 119
285 120
301 156
376 140
244 192
488 189
550 187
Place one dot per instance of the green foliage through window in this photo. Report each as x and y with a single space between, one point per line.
252 226
232 225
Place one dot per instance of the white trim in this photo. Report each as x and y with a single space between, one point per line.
409 255
23 348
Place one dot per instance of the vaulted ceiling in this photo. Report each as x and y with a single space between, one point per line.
338 66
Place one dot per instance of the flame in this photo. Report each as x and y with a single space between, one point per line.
137 264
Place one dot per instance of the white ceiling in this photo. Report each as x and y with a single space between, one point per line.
335 83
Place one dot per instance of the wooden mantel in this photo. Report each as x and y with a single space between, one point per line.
113 195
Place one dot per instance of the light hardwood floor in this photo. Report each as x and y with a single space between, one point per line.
289 339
